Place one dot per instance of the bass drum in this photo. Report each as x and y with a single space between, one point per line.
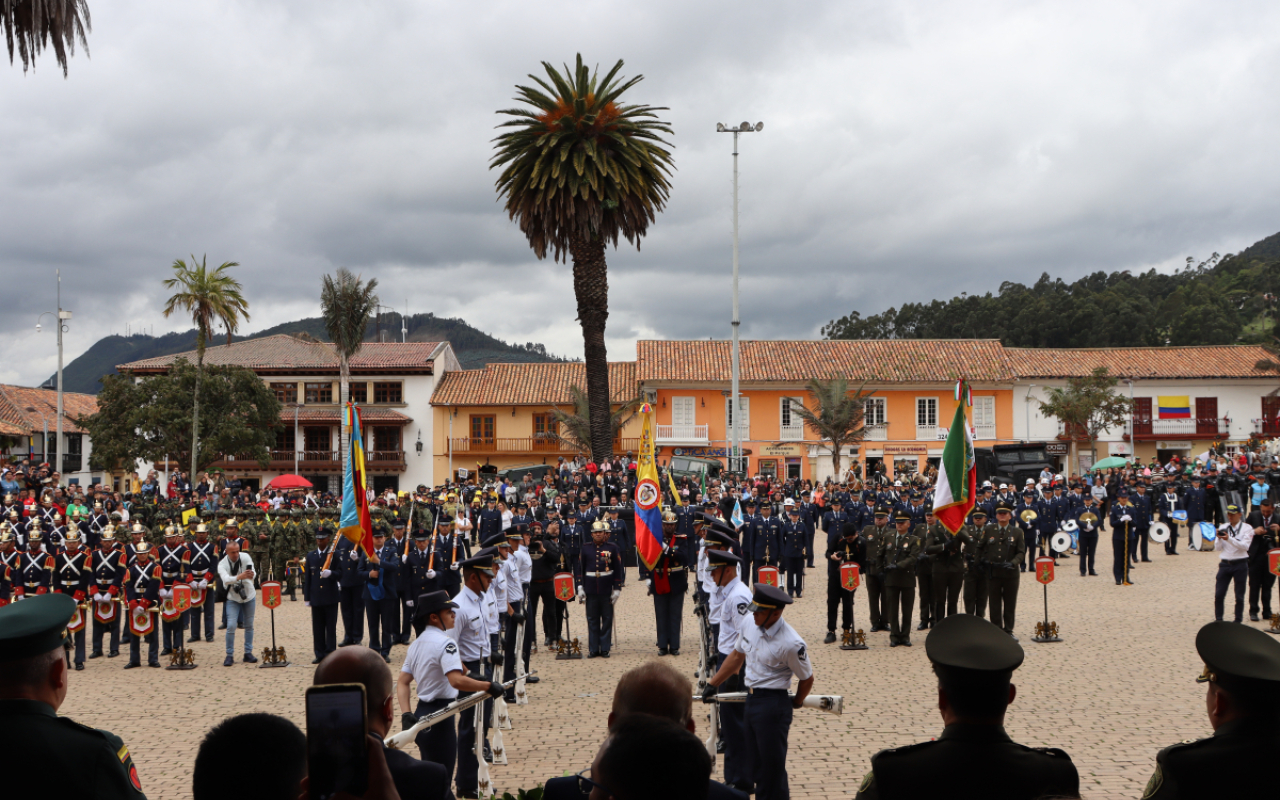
1159 533
1203 536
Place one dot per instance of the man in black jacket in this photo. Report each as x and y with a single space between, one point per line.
1266 535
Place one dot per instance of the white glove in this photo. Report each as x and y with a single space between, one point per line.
204 584
339 585
648 582
581 594
1126 518
613 598
453 567
306 604
354 555
97 598
409 603
324 573
165 593
431 573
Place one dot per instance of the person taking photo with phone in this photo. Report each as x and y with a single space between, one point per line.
236 571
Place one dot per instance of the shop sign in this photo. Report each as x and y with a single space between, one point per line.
782 450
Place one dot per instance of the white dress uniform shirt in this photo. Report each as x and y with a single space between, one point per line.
773 655
492 607
1233 541
430 659
524 563
512 591
704 574
735 602
471 631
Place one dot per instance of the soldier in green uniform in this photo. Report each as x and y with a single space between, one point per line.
948 566
974 536
898 551
283 550
872 539
924 571
50 755
1003 551
974 663
1242 670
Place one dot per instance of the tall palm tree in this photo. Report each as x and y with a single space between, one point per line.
207 295
346 303
837 414
578 170
37 24
575 428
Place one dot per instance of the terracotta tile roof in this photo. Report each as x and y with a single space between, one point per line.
284 352
881 361
15 420
1209 361
529 384
333 415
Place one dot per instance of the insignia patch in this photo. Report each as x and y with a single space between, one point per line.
451 648
802 653
866 781
742 608
1153 785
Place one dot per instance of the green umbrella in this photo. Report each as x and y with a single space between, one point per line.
1108 463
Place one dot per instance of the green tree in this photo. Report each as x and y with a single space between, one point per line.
578 170
837 414
207 295
36 24
1087 406
346 304
575 424
150 419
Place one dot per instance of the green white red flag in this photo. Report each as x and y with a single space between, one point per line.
957 488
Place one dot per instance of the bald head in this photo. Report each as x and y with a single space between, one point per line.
358 665
654 688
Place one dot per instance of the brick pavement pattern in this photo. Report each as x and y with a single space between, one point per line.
1118 688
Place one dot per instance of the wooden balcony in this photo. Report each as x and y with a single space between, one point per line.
1203 428
312 461
529 445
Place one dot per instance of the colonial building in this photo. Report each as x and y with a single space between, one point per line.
907 417
391 381
1185 399
29 424
500 416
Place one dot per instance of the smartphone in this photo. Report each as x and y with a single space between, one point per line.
337 758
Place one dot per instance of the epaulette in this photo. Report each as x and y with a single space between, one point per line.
896 751
1052 752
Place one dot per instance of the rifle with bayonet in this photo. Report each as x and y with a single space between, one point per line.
402 739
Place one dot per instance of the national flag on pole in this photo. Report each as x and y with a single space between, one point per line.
355 523
958 474
648 494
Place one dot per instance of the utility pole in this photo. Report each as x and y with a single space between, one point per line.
62 317
735 439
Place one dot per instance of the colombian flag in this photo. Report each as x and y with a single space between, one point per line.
355 523
1174 406
648 494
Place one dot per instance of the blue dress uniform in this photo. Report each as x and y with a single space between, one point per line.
418 573
71 576
488 523
809 516
381 594
98 522
401 630
1087 536
320 591
602 575
1120 529
9 562
1143 503
618 535
1193 500
668 582
350 585
572 537
451 551
1168 502
142 587
35 570
766 543
1030 529
108 571
1047 525
202 565
173 570
796 536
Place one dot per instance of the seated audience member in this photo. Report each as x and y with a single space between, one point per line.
648 757
224 768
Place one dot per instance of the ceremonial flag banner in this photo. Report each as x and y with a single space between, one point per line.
1174 406
189 515
675 493
355 523
648 494
958 474
736 516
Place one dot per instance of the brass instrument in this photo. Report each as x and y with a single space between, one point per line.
1089 517
1028 515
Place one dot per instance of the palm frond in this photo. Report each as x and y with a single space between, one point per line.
574 425
347 304
36 24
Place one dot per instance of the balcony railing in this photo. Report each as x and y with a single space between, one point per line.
323 460
1190 428
683 433
930 433
985 432
878 433
792 433
529 445
1267 427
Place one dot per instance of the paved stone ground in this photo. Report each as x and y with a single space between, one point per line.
1117 689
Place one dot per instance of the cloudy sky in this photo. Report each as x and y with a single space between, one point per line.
911 150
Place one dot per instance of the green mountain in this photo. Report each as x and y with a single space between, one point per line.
1221 300
473 347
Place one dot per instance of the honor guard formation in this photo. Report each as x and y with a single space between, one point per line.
463 575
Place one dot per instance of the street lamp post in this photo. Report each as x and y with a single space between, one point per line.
62 317
735 441
44 446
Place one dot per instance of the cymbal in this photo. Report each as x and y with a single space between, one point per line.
1028 515
1088 516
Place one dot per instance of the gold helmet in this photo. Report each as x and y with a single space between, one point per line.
171 531
35 523
202 528
108 534
600 525
668 517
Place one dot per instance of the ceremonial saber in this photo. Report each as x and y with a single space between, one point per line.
830 703
400 740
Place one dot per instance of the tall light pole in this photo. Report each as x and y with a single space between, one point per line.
62 317
735 441
44 446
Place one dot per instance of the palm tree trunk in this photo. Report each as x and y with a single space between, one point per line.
195 404
344 392
591 290
835 461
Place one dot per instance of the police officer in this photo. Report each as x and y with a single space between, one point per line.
350 584
772 653
602 578
1266 535
873 536
320 594
1194 500
1123 514
452 551
547 558
1087 518
418 575
41 748
766 540
380 572
667 582
945 549
572 536
898 551
1142 523
974 663
1003 551
473 634
734 605
796 538
404 602
142 590
809 516
1029 524
846 549
488 522
434 663
1242 670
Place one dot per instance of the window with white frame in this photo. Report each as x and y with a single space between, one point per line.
926 412
744 407
788 418
874 411
984 413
